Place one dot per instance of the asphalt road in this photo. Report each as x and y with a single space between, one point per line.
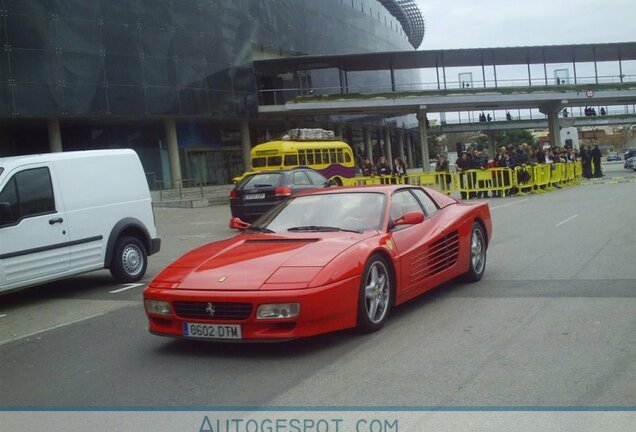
553 323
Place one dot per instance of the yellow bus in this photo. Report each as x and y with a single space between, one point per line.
333 159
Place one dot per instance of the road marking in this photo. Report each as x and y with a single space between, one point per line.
509 204
51 328
566 221
126 288
3 315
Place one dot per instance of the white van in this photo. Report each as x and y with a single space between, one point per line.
67 213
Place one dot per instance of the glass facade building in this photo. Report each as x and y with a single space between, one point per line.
111 71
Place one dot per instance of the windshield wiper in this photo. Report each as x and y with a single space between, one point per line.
321 228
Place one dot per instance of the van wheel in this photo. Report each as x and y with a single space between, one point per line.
129 260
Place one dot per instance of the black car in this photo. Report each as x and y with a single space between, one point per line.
256 193
630 153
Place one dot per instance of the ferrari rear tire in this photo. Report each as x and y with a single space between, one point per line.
477 258
376 295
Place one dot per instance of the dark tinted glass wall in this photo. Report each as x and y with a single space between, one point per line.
84 58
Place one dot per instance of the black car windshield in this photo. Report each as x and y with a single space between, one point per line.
351 211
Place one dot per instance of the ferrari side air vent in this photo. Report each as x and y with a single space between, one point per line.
438 256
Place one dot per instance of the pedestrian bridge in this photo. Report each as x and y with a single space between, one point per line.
519 87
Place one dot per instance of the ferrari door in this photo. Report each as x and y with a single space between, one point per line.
421 248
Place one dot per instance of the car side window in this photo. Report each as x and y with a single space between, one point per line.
403 202
430 208
301 179
316 178
28 193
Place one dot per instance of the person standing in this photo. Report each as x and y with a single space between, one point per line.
463 164
595 154
399 167
441 166
382 168
586 162
368 170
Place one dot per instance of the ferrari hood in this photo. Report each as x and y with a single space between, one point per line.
248 261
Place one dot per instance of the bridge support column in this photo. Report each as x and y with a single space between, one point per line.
552 110
173 151
387 146
554 129
246 145
401 144
367 142
409 151
421 119
338 131
55 136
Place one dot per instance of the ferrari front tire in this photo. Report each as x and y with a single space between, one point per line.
477 258
375 298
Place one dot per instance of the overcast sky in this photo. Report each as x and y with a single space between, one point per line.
498 23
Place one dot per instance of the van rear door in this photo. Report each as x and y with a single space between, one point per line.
34 239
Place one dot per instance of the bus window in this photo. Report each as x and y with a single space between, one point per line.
291 160
302 158
332 156
325 157
339 155
347 157
274 161
259 162
310 157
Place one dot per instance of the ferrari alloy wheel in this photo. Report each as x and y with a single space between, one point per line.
477 261
375 295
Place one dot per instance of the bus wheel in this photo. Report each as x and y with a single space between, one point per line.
338 181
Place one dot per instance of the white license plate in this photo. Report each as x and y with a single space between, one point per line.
253 196
212 331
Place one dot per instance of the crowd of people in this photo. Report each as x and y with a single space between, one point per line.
523 155
383 168
509 156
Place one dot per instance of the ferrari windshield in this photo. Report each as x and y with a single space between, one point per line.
354 211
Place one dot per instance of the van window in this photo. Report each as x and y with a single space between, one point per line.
29 193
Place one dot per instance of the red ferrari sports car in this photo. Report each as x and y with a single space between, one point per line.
321 261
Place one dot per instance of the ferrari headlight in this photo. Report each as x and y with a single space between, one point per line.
157 307
278 311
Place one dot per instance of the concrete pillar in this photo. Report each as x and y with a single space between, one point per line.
421 120
338 131
367 142
552 110
173 151
246 145
387 146
409 151
401 144
55 136
491 144
554 129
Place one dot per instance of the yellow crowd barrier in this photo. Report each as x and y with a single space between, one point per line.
496 181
